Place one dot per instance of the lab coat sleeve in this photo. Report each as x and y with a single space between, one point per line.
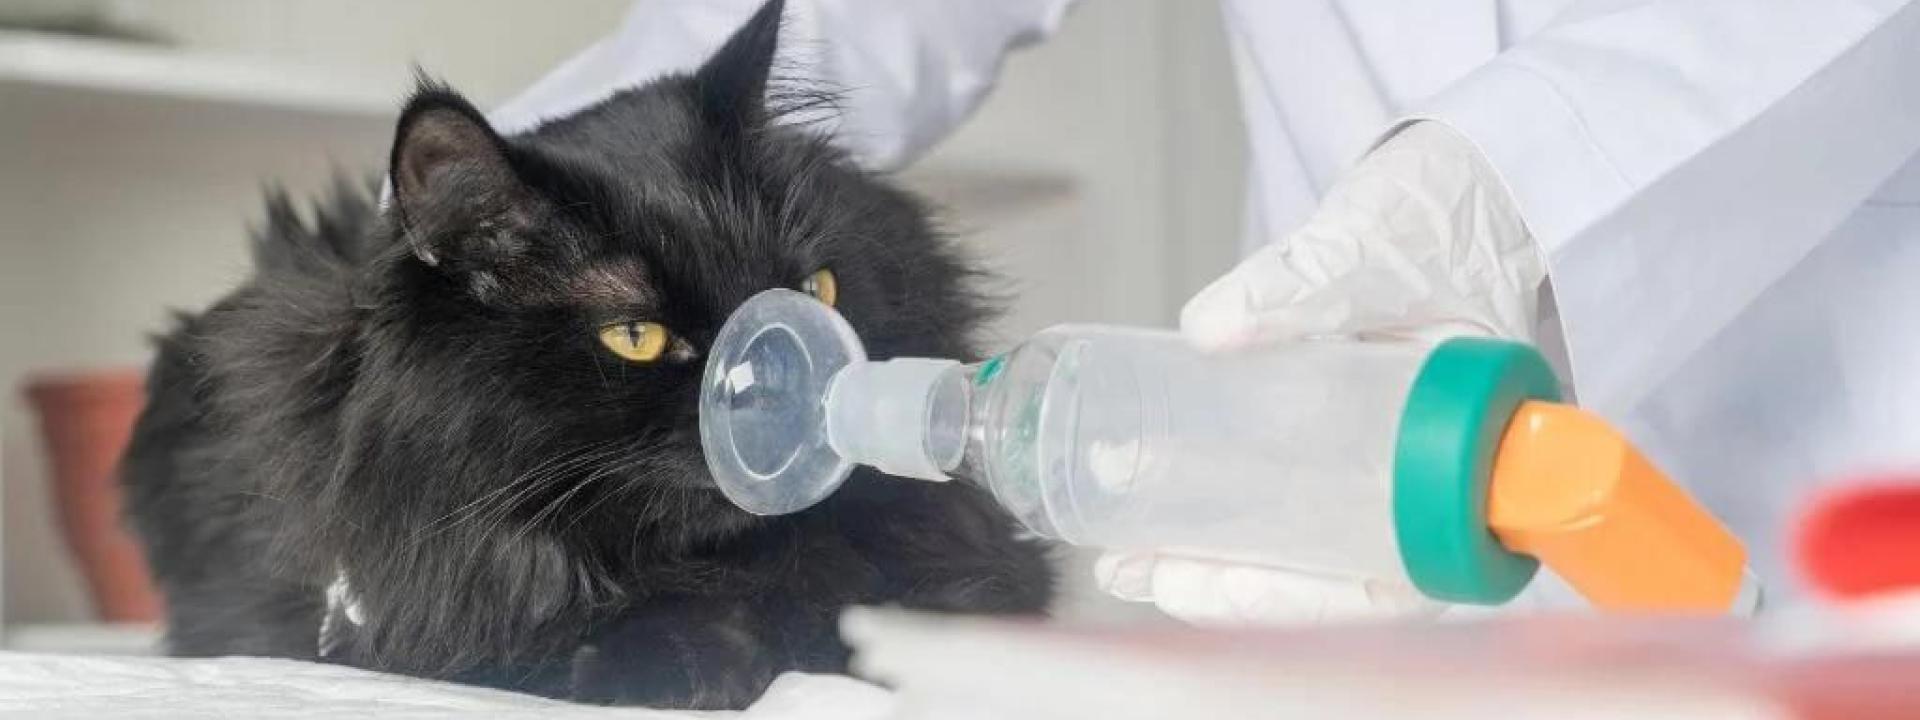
1674 158
906 71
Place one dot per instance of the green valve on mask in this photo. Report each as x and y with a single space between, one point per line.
989 369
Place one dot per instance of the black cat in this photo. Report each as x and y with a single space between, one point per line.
475 411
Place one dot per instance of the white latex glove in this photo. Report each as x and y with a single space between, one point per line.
1204 589
1419 241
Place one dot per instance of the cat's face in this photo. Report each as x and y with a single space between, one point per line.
563 285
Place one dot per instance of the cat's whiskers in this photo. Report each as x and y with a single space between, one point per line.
531 475
554 506
602 372
628 487
499 517
499 514
525 482
264 495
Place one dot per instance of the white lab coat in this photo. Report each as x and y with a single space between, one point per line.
1726 191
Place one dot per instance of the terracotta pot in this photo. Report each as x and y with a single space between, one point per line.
86 420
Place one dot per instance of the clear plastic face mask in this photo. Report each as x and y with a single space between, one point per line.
763 419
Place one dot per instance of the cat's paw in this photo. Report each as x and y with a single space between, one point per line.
673 662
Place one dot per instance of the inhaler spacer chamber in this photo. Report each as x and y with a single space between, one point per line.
1447 473
790 404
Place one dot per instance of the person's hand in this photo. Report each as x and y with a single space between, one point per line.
1419 242
1208 589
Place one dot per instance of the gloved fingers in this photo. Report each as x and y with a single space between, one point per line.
1375 259
1125 575
1419 241
1225 314
1289 292
1204 591
1213 591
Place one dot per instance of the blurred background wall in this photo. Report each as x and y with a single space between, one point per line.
1101 180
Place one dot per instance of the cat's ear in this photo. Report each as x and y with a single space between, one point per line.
733 83
446 161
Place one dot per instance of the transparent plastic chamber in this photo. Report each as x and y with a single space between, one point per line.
1093 435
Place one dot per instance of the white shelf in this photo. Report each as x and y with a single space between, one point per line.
37 61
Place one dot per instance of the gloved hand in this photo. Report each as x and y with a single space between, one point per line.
1419 241
1209 589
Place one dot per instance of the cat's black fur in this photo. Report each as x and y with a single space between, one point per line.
416 398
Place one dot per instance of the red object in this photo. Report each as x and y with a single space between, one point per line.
86 420
1863 539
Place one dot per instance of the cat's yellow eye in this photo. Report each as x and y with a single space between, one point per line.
822 286
640 342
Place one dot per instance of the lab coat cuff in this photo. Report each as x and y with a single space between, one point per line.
1557 176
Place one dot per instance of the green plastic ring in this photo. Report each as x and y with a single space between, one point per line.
1456 412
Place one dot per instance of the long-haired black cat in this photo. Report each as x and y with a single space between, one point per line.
472 414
